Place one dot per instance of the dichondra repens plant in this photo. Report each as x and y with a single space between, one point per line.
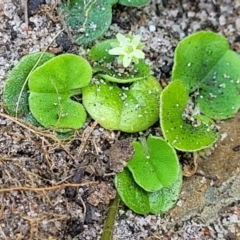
118 91
152 180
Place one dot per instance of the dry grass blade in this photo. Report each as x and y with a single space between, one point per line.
46 188
85 138
32 129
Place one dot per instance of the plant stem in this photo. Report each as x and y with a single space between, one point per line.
76 91
110 219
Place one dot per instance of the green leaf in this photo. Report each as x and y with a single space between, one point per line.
15 95
52 85
204 62
133 3
130 109
107 68
182 135
143 202
88 20
163 200
99 52
157 160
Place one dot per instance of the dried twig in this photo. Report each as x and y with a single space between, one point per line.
46 188
85 138
25 8
32 129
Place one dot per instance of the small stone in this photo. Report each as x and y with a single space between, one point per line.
195 26
223 136
238 23
64 41
179 203
177 29
152 28
234 218
191 14
222 20
33 5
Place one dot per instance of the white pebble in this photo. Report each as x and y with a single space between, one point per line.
223 136
191 14
179 203
222 20
234 218
152 28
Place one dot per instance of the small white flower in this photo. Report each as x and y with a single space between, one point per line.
129 49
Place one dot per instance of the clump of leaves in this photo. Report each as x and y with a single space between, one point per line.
88 20
15 95
51 87
152 180
124 96
204 62
40 87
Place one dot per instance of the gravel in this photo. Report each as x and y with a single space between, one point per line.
28 159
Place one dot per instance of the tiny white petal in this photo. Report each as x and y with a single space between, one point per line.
115 51
126 60
136 40
122 39
138 54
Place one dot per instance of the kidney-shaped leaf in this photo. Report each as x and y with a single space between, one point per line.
180 134
154 164
15 95
130 109
143 202
52 85
204 61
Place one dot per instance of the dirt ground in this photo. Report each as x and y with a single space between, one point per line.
53 189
